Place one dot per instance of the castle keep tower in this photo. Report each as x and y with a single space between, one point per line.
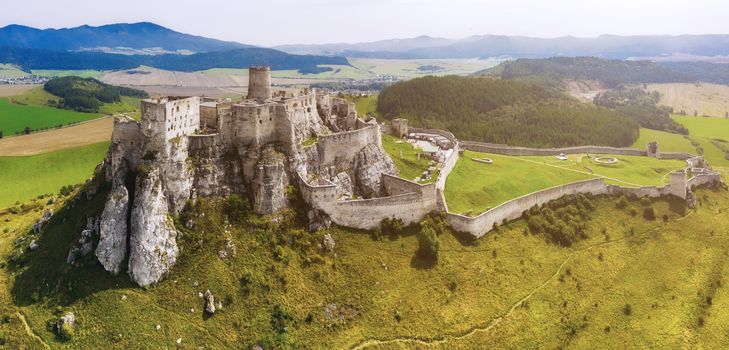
259 83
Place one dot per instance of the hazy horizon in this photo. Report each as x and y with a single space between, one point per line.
336 21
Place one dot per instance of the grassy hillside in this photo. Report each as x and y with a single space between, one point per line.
711 134
27 177
500 111
409 166
511 289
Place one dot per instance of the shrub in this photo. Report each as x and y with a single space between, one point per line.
649 213
280 319
236 208
65 332
645 201
428 244
392 227
627 310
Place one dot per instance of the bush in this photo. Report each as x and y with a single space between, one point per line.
649 213
280 319
236 208
627 310
645 201
622 203
392 227
65 332
428 244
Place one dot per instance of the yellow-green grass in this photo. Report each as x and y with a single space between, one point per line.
409 166
14 118
26 177
704 130
366 105
631 171
35 96
128 105
11 71
473 187
511 290
83 73
702 98
668 142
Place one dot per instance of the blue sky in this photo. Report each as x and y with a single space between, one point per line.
269 23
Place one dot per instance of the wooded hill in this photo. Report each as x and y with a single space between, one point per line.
501 111
551 72
87 94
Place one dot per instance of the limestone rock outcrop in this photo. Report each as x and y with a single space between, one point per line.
343 185
153 241
269 184
368 165
112 248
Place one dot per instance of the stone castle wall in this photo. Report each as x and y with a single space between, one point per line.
345 145
703 179
483 223
528 151
408 201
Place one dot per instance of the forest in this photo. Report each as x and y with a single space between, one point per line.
87 94
642 106
508 112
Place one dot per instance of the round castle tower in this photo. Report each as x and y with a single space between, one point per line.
259 83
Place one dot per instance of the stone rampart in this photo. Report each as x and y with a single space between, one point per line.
675 155
703 179
528 151
410 203
645 191
447 167
203 145
345 145
483 223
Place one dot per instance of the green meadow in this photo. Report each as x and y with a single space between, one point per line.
474 187
408 165
628 283
24 178
705 130
15 117
668 142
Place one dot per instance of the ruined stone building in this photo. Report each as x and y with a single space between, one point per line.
185 147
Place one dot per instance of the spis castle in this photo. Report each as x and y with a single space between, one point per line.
185 147
273 141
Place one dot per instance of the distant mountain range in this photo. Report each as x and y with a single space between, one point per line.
139 36
125 46
484 46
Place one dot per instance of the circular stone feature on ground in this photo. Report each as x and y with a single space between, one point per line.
605 160
483 160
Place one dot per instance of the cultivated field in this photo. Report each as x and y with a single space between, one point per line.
11 71
704 99
15 117
473 187
83 73
14 90
86 133
25 177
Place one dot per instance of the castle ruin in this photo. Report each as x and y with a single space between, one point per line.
185 147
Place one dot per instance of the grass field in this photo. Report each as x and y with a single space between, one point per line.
15 117
87 133
703 99
84 73
704 130
510 290
409 166
473 187
26 177
668 142
366 105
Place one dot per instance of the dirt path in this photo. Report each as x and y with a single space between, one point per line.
85 133
30 331
496 321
